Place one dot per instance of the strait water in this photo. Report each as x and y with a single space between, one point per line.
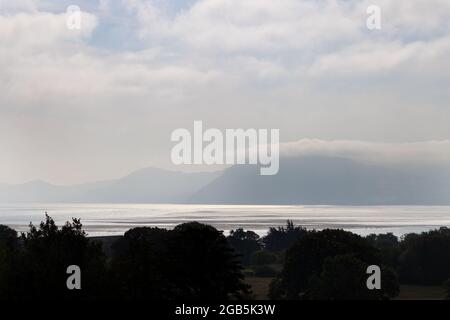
114 219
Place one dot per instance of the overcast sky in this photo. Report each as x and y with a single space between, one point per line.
97 103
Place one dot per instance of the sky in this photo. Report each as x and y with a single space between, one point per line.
99 102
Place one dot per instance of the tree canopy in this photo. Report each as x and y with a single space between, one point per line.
245 243
317 257
193 262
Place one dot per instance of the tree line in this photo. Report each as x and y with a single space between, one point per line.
331 264
195 261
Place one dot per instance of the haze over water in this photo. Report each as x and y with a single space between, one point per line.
115 219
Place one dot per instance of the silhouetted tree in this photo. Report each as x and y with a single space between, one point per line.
8 254
192 262
142 265
425 258
245 243
39 269
8 237
263 257
344 278
304 262
447 289
281 238
389 247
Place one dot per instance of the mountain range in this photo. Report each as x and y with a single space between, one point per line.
301 180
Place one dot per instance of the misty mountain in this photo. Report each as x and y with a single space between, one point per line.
329 181
149 185
153 185
301 180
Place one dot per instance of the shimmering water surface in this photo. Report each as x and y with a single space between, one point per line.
113 219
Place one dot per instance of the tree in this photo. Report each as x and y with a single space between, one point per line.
8 237
425 258
447 289
281 238
8 254
245 243
263 257
142 264
344 278
305 260
211 269
192 262
389 247
39 268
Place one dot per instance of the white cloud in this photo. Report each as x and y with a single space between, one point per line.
419 153
84 111
45 61
381 57
252 25
7 6
39 31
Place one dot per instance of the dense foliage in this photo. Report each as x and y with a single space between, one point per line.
328 264
281 238
425 257
37 268
244 242
197 262
193 261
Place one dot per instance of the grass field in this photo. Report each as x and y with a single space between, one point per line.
408 292
260 288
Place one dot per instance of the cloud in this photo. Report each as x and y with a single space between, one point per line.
414 153
38 31
276 26
249 26
48 63
381 57
7 6
99 102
